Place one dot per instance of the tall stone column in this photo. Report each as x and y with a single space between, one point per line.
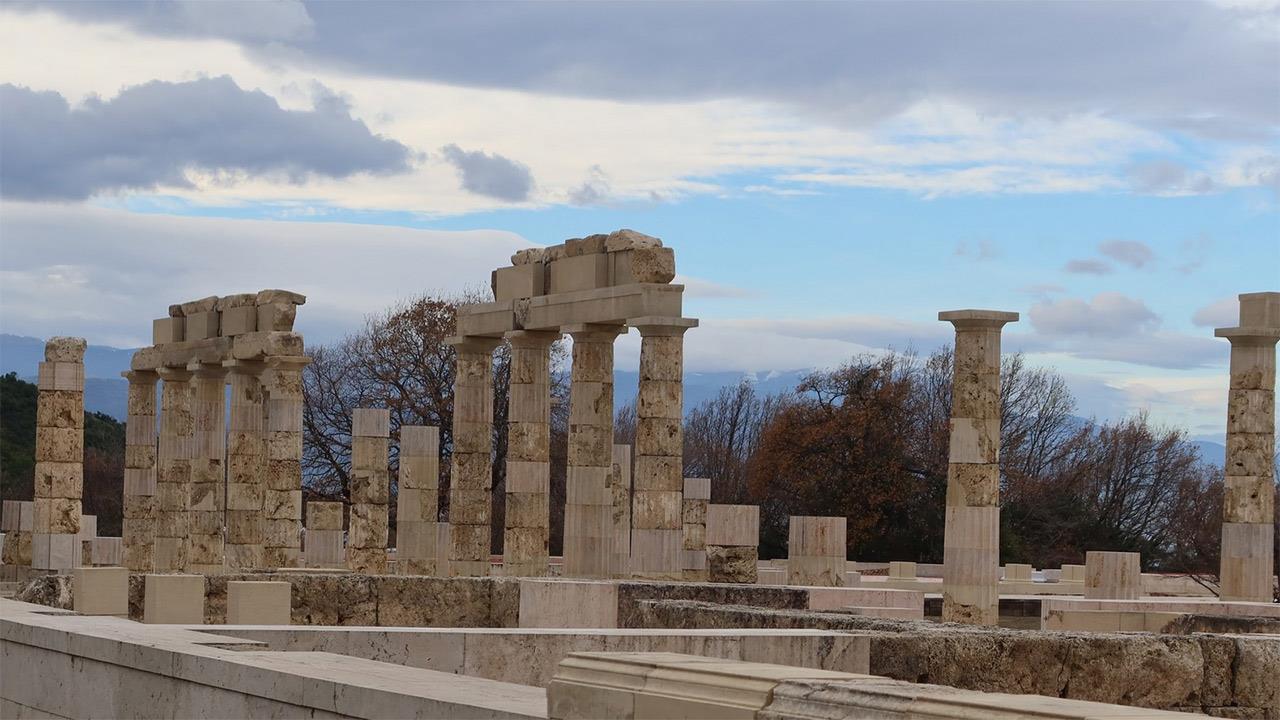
1248 509
139 527
418 502
173 472
471 471
527 518
620 491
59 472
370 490
208 475
588 511
282 497
971 541
657 535
246 466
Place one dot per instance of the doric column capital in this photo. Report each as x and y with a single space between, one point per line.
473 343
174 374
661 326
594 332
531 338
1249 336
141 377
245 367
977 319
207 371
287 362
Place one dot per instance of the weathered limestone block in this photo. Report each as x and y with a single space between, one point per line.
472 471
620 496
589 530
1112 575
732 563
816 551
626 239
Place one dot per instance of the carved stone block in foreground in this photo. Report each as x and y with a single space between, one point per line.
971 540
816 551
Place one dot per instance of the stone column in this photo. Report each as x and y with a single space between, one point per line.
527 517
697 496
620 490
588 512
733 543
1112 575
418 503
246 467
816 551
173 472
208 475
370 491
971 544
657 529
324 535
139 526
1248 509
282 497
59 472
471 471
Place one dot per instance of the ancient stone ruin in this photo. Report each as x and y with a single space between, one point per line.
217 603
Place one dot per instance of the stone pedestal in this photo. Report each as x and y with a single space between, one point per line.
282 496
697 496
471 476
528 496
1112 576
588 513
246 466
418 504
173 600
173 474
59 471
657 527
816 551
324 546
259 602
208 448
620 491
1248 511
733 539
971 541
370 490
100 591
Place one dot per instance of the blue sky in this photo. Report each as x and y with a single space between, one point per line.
831 175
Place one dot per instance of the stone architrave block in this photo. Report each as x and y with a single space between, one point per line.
239 320
173 600
572 274
201 326
733 525
568 603
520 281
167 330
259 602
1260 309
100 591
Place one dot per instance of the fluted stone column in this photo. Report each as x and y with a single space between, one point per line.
139 526
370 490
527 518
588 512
1248 509
657 535
971 542
282 497
418 502
246 466
471 488
620 490
173 472
59 471
208 475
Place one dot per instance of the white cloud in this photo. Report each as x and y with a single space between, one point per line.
1220 313
105 274
1130 252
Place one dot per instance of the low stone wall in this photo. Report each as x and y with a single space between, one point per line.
1222 675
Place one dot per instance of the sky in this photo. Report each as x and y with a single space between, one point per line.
831 175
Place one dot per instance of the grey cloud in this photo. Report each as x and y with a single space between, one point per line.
243 20
1169 177
1222 313
1130 252
1087 267
859 61
593 190
1108 314
151 134
492 175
